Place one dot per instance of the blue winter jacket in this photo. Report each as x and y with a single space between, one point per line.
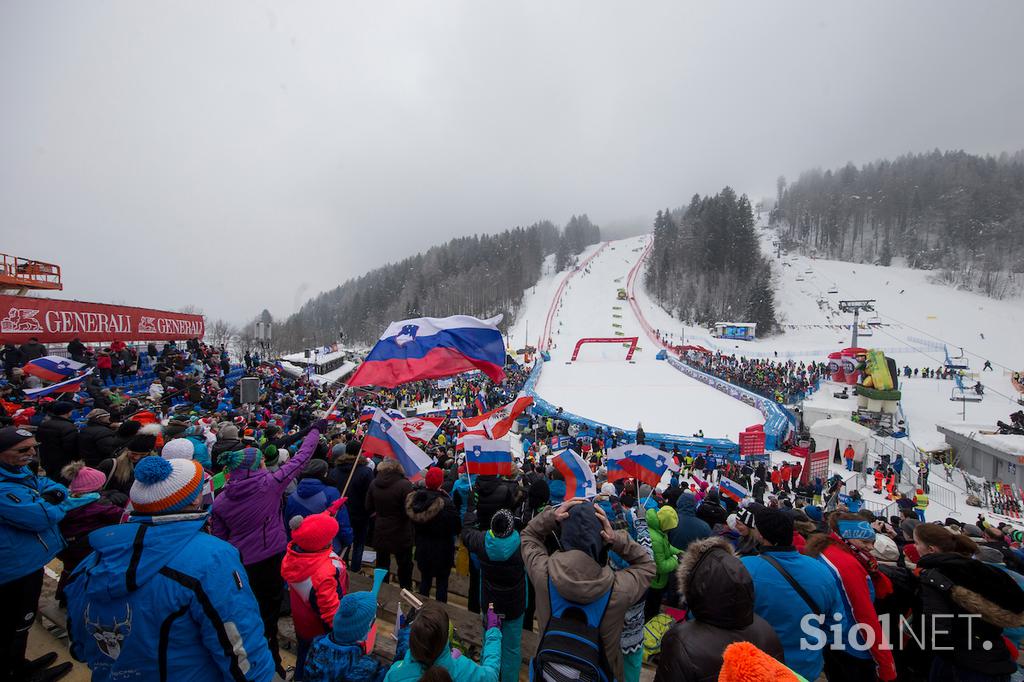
313 496
461 491
201 452
329 660
29 536
165 601
777 602
689 528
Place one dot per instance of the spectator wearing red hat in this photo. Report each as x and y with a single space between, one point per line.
435 524
316 577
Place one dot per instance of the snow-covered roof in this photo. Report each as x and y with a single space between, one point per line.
985 433
315 357
839 428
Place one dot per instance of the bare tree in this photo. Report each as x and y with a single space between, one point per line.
219 332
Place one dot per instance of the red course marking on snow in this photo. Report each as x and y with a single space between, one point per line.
630 282
545 340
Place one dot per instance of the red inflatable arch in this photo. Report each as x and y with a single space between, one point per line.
631 340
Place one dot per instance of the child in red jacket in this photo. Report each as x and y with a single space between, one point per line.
316 577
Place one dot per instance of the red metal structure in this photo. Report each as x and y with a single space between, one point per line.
21 274
631 340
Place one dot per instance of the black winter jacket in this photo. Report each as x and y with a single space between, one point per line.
492 494
955 586
96 442
58 444
435 524
719 593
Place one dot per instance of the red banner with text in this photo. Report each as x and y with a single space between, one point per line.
54 321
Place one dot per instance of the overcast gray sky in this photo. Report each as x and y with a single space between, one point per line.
236 155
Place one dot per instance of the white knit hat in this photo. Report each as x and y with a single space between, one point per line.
179 448
163 485
608 489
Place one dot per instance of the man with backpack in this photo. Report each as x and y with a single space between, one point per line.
581 601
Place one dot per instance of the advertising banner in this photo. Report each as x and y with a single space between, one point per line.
55 321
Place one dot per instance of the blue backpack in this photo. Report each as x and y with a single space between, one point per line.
570 648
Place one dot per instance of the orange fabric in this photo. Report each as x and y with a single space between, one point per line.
744 662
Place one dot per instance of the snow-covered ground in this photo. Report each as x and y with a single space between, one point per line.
601 385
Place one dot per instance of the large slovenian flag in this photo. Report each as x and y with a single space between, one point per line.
498 422
432 348
386 438
487 457
645 463
72 385
53 368
579 479
733 490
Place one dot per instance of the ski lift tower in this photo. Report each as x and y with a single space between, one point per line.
20 275
867 305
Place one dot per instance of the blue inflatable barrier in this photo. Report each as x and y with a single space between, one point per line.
778 421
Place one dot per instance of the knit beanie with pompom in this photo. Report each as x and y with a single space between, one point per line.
83 479
163 486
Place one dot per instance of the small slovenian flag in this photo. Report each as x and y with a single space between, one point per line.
579 479
433 348
386 438
72 385
481 406
645 463
487 457
733 490
53 368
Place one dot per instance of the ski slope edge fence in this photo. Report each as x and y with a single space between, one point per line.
777 420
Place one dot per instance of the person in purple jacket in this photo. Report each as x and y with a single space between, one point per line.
247 513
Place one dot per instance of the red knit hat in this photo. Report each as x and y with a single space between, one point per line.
434 478
316 532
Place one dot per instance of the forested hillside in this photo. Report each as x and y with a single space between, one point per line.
959 214
482 275
706 266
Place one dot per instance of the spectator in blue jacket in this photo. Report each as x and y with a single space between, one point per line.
312 496
780 604
31 506
690 528
181 594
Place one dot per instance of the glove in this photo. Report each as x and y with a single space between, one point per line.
54 495
493 619
321 425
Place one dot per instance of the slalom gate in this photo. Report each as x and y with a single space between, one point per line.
631 340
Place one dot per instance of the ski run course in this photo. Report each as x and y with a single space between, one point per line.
915 319
600 384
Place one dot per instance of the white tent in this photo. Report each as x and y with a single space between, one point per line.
827 433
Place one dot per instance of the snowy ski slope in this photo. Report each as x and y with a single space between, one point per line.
601 384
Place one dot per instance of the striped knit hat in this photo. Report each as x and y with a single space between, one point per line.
246 458
162 486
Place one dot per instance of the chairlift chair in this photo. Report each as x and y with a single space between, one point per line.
961 395
957 361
